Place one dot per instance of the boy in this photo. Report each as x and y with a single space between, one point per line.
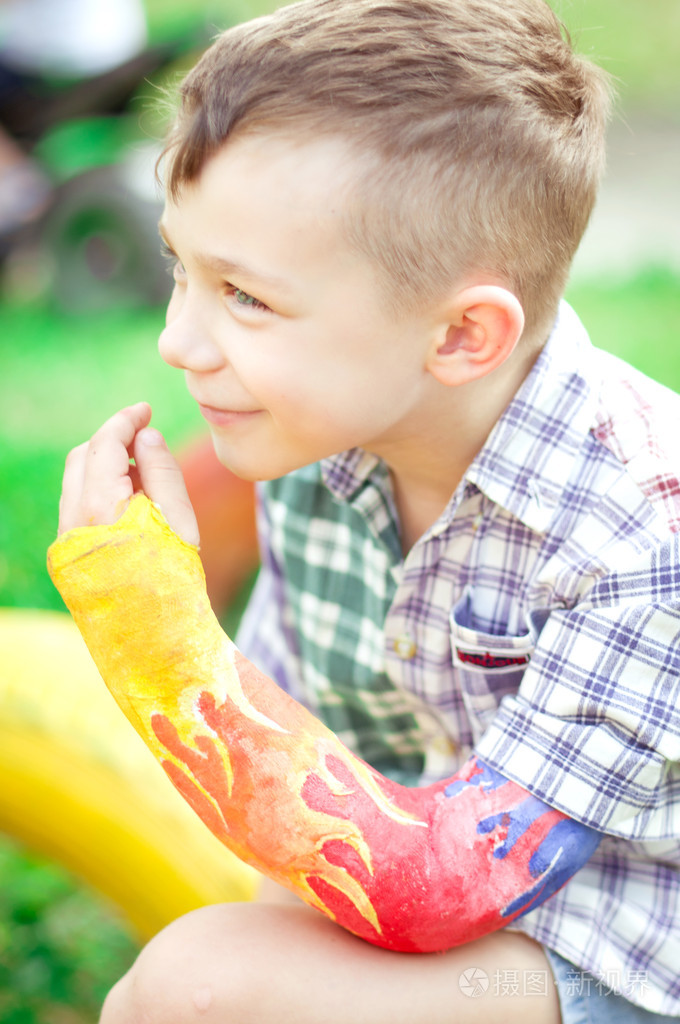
469 538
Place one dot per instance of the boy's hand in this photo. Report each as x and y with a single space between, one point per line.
99 478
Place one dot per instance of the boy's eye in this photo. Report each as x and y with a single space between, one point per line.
176 269
244 299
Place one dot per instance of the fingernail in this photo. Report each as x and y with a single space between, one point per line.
150 437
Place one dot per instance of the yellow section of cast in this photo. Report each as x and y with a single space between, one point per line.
77 784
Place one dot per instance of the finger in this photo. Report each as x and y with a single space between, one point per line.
107 486
72 489
114 438
162 482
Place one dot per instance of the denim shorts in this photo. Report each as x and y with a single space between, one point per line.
585 1000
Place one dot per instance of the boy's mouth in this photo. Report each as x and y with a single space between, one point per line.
226 417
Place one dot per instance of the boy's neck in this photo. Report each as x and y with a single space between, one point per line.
427 467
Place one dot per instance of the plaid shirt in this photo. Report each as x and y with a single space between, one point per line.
537 622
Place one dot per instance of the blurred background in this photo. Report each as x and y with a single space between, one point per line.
82 289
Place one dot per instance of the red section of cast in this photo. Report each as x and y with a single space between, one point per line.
406 869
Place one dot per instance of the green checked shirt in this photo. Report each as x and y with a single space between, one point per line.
537 622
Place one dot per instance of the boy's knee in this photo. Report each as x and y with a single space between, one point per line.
206 966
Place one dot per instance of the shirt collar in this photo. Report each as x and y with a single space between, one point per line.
527 458
344 474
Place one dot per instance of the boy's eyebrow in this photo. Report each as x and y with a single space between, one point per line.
229 267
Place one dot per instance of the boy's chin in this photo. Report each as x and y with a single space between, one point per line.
253 469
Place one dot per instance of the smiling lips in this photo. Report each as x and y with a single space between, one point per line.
226 417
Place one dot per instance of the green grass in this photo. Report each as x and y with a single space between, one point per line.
62 376
61 948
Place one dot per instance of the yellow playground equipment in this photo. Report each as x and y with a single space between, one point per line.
79 785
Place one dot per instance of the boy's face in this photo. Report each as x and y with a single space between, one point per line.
277 323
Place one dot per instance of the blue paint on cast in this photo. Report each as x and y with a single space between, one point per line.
566 848
517 821
487 779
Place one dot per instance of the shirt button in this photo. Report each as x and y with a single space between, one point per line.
405 647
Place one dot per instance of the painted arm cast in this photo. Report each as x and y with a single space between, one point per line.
415 870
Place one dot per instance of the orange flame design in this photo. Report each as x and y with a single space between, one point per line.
226 753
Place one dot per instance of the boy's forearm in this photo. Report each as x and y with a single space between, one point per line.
408 869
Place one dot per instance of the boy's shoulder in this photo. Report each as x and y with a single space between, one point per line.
631 404
637 420
585 419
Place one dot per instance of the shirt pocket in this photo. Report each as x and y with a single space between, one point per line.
488 666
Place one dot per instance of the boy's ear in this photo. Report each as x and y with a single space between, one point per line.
482 325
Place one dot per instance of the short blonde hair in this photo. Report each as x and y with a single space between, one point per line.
482 133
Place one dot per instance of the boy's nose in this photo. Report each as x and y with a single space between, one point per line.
187 344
